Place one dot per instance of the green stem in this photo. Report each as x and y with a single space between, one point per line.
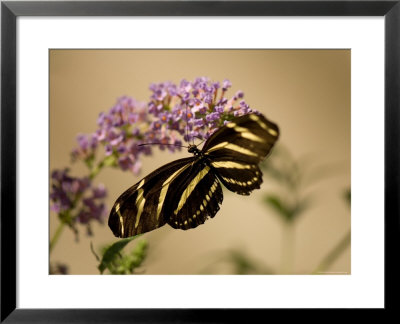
109 160
287 248
93 172
56 236
333 254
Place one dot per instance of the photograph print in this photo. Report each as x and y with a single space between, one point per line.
206 162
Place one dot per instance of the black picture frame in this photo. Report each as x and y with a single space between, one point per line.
10 11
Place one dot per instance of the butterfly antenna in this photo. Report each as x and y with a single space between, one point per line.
178 145
193 140
187 125
201 142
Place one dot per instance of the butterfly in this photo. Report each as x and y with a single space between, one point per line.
186 192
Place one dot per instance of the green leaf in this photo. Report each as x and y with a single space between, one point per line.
287 211
347 196
301 206
110 160
242 263
112 252
276 203
333 255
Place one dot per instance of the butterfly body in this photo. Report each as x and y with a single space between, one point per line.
186 192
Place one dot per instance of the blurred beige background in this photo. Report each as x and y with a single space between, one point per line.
306 92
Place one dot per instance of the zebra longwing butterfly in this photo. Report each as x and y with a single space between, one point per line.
186 192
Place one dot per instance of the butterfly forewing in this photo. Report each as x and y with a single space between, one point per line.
248 139
141 208
196 196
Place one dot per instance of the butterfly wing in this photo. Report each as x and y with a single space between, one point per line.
240 178
196 196
142 207
236 149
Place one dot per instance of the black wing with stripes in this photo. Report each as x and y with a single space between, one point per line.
183 193
141 208
236 149
195 198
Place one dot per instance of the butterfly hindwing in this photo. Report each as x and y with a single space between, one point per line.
239 177
141 208
196 197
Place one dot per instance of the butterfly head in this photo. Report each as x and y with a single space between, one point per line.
193 149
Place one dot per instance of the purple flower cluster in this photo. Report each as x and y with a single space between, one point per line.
120 131
193 109
174 113
79 195
87 145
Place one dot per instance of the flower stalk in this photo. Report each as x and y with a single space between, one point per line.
56 236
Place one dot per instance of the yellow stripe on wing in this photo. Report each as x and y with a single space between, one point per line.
258 120
192 185
246 133
231 165
232 147
121 219
140 201
165 187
